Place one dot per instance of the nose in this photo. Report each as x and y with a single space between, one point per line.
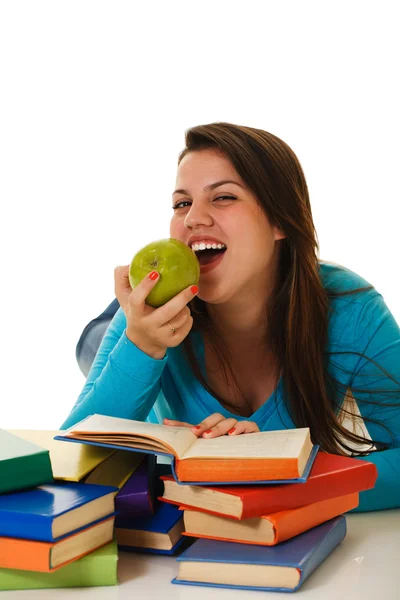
198 215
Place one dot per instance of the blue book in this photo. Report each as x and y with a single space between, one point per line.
160 533
266 457
285 566
51 512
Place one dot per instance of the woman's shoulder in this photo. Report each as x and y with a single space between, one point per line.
338 278
348 309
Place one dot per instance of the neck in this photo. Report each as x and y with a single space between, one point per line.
241 323
238 323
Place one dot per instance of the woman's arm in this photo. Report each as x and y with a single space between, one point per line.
386 493
376 388
122 382
90 338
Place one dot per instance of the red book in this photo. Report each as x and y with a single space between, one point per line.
331 476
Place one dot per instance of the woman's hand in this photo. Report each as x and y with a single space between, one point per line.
153 330
216 425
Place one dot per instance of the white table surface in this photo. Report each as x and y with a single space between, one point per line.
365 566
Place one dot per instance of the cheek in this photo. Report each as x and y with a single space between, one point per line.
174 227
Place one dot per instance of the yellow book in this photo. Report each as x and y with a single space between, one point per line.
69 462
116 469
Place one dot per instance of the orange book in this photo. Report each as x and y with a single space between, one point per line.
32 555
267 530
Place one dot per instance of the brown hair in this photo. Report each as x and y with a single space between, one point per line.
299 305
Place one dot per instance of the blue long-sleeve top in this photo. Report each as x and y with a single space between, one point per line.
125 382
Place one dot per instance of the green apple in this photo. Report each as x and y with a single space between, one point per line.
176 263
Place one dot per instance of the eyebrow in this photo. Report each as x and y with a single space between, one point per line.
211 186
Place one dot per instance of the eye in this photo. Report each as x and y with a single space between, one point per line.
180 204
224 198
185 203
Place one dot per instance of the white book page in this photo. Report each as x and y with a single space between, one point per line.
175 440
266 444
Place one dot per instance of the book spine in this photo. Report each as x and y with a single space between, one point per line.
290 523
25 554
93 572
323 487
321 552
26 526
25 472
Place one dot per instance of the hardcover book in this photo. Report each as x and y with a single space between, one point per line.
136 497
330 476
116 469
32 555
51 512
269 456
95 569
282 568
159 533
70 463
270 529
22 463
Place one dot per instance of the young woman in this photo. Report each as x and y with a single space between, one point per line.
272 338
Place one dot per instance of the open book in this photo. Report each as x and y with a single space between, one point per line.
265 457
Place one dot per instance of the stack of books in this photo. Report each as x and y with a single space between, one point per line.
52 533
287 529
158 532
262 510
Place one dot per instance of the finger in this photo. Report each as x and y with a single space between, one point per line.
181 318
220 428
208 423
142 290
244 427
122 287
171 422
177 337
170 309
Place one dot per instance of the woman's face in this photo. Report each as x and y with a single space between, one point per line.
212 205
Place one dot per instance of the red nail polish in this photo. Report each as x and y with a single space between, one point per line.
194 289
231 431
208 431
153 275
196 426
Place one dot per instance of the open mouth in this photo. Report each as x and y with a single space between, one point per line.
207 257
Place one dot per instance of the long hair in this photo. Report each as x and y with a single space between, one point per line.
297 312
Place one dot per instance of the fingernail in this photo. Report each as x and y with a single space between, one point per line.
208 431
194 289
153 275
231 431
196 426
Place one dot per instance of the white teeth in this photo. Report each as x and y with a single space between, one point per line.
207 246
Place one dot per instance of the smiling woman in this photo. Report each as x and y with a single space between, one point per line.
273 338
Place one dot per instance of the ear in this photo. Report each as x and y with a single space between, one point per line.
278 234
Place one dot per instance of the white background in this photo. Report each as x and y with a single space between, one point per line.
94 101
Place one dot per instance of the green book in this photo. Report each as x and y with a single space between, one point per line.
22 463
94 569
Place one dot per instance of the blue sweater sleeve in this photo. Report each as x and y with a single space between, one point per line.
377 336
122 382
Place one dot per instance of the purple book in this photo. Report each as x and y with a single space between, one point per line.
136 497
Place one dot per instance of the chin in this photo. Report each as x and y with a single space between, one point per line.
210 296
